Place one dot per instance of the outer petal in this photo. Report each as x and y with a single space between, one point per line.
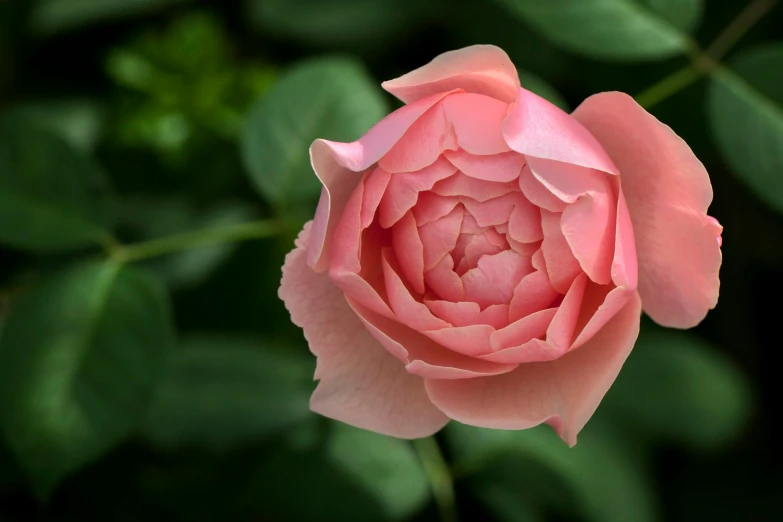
355 263
422 143
481 69
668 192
337 164
537 128
360 382
477 122
563 393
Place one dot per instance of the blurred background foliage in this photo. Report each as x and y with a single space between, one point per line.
147 368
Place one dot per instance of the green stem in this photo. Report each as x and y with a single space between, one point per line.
670 85
439 475
195 239
749 16
704 63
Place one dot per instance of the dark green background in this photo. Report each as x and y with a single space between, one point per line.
176 388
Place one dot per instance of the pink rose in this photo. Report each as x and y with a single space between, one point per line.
482 256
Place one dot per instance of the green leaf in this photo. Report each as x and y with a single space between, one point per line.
675 386
226 391
78 121
297 486
682 14
51 16
353 475
536 85
609 29
9 471
51 197
191 267
601 475
506 503
745 108
385 467
336 21
332 98
153 218
79 358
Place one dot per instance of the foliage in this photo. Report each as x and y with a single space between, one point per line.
148 369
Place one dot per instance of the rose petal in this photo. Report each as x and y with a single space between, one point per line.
624 264
461 185
406 241
422 143
525 249
537 128
408 310
431 207
494 279
524 223
352 267
563 326
423 356
534 350
439 237
533 293
668 192
477 121
444 281
519 332
599 304
477 247
470 340
470 226
336 165
482 69
501 168
588 226
404 188
538 260
375 185
537 193
561 265
360 382
588 222
467 313
716 228
492 212
563 393
566 181
496 238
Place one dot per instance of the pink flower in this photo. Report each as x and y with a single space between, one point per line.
482 256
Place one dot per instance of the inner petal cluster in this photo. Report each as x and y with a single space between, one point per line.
461 245
481 249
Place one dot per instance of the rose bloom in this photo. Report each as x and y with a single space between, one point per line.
482 256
